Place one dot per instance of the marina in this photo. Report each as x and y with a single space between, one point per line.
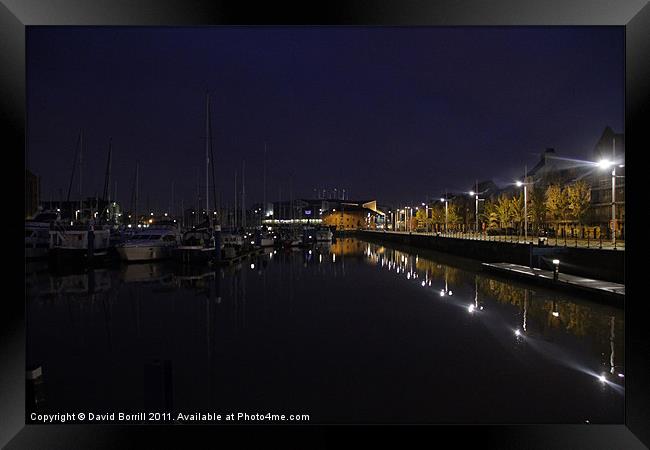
284 328
333 225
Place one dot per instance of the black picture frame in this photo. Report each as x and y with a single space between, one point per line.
16 15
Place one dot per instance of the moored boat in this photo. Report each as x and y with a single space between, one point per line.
150 244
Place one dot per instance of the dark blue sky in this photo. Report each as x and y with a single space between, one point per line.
397 114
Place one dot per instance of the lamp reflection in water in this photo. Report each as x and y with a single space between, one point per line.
446 290
611 344
555 312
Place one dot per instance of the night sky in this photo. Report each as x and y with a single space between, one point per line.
396 114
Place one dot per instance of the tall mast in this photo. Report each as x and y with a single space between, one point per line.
243 194
81 146
171 210
107 181
264 188
198 195
234 211
214 186
207 153
74 165
137 185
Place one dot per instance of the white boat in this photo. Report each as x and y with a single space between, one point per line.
71 245
150 245
37 234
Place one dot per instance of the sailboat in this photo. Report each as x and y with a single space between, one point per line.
198 244
80 242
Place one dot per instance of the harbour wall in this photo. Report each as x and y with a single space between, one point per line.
607 265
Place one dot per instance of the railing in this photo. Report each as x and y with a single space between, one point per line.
564 241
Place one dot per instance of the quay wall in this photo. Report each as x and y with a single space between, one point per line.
606 265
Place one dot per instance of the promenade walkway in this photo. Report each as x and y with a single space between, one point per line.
564 280
602 244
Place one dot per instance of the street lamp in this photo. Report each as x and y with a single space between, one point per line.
446 200
525 185
475 195
605 164
426 216
556 269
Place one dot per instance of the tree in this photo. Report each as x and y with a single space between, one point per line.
454 216
503 211
422 219
537 207
517 210
579 198
490 215
438 215
557 202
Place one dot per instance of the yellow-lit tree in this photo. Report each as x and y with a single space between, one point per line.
579 197
537 207
503 211
557 203
517 211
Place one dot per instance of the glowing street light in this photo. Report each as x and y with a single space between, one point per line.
446 200
606 164
475 195
525 185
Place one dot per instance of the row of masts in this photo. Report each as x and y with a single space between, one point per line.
236 219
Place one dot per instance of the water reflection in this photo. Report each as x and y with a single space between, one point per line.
548 310
337 330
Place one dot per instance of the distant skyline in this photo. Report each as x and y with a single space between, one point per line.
394 114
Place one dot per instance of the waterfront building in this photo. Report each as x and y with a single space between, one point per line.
354 216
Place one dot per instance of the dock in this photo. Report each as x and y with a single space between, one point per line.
602 289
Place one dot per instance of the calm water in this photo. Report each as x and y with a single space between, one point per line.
349 333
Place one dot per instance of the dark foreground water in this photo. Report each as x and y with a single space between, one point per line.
350 333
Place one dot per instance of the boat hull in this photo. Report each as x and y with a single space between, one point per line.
144 253
194 254
63 257
36 253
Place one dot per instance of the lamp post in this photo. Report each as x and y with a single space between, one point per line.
475 194
426 217
604 164
446 200
556 269
525 185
